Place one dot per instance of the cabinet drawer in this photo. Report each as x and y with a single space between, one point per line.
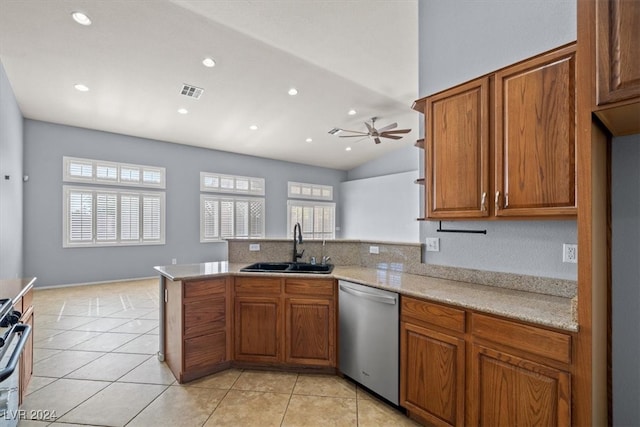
257 286
550 344
435 314
204 316
204 351
309 287
204 288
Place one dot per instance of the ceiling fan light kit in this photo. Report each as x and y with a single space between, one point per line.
373 133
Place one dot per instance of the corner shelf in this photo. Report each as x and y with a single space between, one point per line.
419 181
420 143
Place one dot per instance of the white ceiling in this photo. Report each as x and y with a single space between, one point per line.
137 54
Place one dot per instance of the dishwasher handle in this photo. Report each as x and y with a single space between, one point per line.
374 297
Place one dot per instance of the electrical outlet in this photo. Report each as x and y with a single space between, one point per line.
374 250
569 253
174 260
433 244
254 247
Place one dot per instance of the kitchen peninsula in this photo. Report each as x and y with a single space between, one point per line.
211 313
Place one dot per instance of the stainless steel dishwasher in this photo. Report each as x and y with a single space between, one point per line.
368 337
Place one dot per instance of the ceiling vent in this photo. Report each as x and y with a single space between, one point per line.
334 131
191 91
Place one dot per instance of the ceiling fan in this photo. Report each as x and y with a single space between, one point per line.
376 134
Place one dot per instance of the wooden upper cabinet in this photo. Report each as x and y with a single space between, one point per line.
535 137
617 50
614 42
457 158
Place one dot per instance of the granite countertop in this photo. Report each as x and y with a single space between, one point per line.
15 288
546 310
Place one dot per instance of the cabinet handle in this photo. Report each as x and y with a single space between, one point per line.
483 202
497 200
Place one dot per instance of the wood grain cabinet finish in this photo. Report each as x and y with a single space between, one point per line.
258 329
503 145
285 322
463 368
432 361
310 322
457 158
535 138
512 391
433 374
617 50
197 327
25 306
613 34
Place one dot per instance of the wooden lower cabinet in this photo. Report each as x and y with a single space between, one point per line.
512 391
462 368
197 327
285 321
310 322
258 329
433 375
26 358
432 362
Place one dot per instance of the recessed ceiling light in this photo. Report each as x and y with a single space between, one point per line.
347 149
293 91
253 127
81 18
81 88
208 62
352 112
183 110
308 139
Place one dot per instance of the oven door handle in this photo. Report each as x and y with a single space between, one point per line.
24 330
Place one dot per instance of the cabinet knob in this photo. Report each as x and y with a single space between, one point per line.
483 202
497 200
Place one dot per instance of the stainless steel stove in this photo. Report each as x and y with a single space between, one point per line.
13 337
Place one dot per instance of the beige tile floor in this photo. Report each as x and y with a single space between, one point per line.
95 365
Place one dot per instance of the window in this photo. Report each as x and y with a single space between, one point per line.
226 216
299 190
219 183
111 173
317 219
107 217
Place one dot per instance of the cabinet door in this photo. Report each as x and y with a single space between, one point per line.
457 157
535 137
26 359
432 375
618 44
511 391
204 352
257 329
310 331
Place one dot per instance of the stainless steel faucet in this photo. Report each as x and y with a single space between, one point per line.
296 240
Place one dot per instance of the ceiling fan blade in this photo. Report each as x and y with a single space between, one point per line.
377 140
397 131
390 136
387 127
361 135
355 131
369 127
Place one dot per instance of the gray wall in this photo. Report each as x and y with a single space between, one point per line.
11 190
463 39
381 208
404 159
46 144
625 293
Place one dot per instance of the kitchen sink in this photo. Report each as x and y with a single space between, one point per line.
288 267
